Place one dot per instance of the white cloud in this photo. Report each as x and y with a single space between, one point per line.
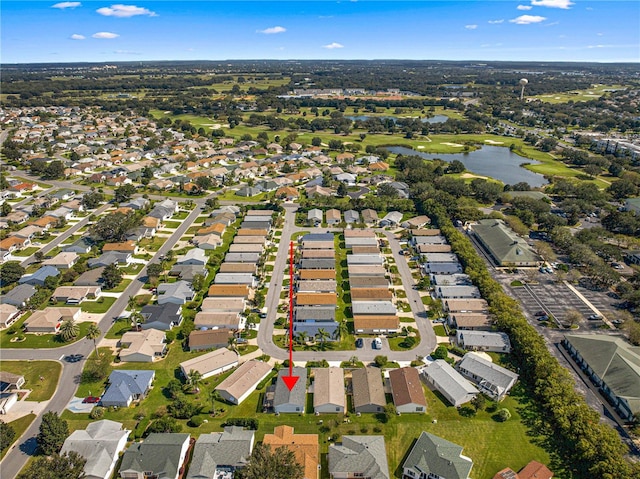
471 27
565 4
528 19
599 34
332 46
63 5
125 52
524 7
125 11
107 35
77 36
495 22
272 30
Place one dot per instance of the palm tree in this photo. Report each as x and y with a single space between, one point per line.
302 337
194 378
69 330
353 360
342 330
132 303
94 333
233 343
322 335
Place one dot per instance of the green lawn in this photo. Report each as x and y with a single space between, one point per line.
152 244
596 91
171 224
33 340
102 305
19 426
26 252
133 268
181 215
120 288
118 329
230 195
439 330
40 376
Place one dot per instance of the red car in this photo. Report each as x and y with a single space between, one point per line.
91 400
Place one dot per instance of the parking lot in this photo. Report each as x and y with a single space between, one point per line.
552 298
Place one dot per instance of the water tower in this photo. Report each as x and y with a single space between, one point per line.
523 82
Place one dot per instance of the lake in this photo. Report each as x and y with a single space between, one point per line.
433 119
494 161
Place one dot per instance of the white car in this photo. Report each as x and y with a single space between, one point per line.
376 343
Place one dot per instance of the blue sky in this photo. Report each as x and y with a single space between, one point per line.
536 30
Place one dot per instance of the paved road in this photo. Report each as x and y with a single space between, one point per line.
16 458
265 333
66 234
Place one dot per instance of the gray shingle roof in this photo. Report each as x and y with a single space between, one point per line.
159 453
297 395
230 448
434 455
360 454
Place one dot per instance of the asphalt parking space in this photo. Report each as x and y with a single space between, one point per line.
528 301
558 299
600 300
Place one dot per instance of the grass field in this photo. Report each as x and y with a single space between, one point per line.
19 426
593 93
120 288
98 306
26 252
40 376
230 195
33 340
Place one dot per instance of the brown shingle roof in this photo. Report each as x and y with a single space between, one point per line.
370 293
209 337
229 290
316 298
317 274
304 446
375 322
406 387
251 232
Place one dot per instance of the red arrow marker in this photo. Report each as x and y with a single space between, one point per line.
290 380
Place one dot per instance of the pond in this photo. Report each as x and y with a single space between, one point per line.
494 161
433 119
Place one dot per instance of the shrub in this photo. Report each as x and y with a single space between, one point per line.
97 413
441 352
196 421
467 411
165 424
502 415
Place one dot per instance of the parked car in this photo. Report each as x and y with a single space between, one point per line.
376 343
594 316
73 358
91 400
359 343
540 313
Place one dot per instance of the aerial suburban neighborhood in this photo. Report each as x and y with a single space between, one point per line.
196 295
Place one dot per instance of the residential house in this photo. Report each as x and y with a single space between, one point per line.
10 381
211 364
142 346
108 258
483 341
187 272
161 317
75 294
100 444
492 380
160 456
314 217
406 389
431 457
229 290
442 377
123 247
223 305
218 455
393 218
235 278
18 296
80 246
294 400
359 456
126 386
193 257
49 319
417 222
177 293
8 315
328 390
305 447
333 216
351 216
367 390
243 381
209 339
218 320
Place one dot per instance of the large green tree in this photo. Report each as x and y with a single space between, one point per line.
114 227
66 466
7 435
10 273
124 193
275 464
111 276
53 432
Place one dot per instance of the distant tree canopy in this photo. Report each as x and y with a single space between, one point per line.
114 227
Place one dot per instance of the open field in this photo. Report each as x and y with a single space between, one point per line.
40 376
593 93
